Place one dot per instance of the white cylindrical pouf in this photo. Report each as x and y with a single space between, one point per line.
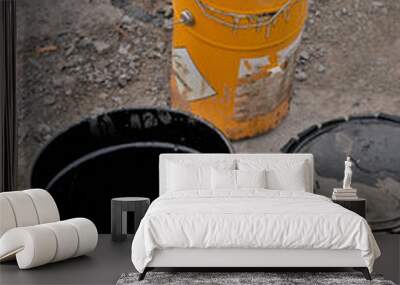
34 246
45 205
67 240
23 208
7 218
87 233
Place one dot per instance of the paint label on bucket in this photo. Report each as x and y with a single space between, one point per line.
259 95
261 91
250 66
189 81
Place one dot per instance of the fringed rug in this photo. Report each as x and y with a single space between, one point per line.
230 278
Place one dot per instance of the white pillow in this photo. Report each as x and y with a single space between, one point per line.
251 178
281 174
193 174
223 179
187 177
226 179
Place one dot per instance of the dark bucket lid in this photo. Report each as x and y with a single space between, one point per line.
116 154
373 142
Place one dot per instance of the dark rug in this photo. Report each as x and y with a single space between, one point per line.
229 278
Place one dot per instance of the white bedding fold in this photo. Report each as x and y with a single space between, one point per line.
250 219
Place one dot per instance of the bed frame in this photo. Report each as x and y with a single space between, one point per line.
236 259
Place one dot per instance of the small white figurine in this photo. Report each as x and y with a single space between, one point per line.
347 173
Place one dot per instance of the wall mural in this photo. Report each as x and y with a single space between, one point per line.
79 61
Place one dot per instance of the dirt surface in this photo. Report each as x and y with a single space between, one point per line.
79 58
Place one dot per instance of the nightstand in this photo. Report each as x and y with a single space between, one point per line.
358 206
119 209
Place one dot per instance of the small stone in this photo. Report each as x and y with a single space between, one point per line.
101 46
300 75
70 50
377 4
304 55
49 100
122 81
124 49
103 96
168 11
154 55
68 92
168 24
126 20
117 100
160 46
86 42
47 137
158 21
321 68
135 58
344 11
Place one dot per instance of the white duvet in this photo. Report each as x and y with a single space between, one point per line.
250 219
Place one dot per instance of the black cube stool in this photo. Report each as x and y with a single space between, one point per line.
119 209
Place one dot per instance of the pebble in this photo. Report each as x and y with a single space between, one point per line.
103 96
70 50
47 137
86 42
168 12
122 81
304 55
300 75
321 68
168 24
160 46
49 100
126 20
117 100
101 46
158 21
124 49
377 4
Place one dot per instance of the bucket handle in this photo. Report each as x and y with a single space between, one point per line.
255 21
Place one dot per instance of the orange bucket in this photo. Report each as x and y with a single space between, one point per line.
233 61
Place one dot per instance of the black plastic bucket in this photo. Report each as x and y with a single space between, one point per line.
373 141
116 155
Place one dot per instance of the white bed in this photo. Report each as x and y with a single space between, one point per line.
250 227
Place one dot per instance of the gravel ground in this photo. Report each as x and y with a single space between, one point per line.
79 58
